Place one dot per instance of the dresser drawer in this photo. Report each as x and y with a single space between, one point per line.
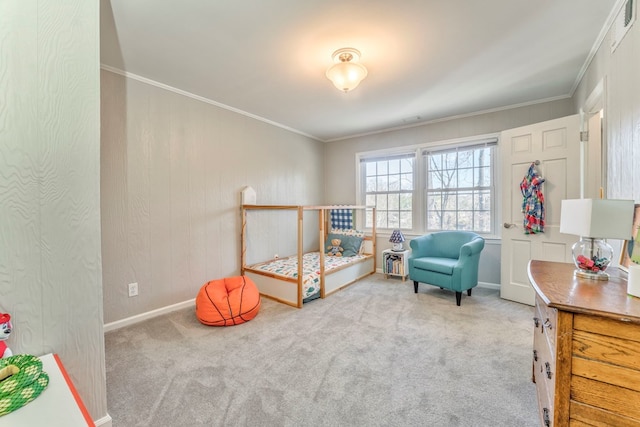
605 369
608 327
545 407
544 392
546 322
544 361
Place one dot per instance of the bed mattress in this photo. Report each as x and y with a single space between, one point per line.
288 268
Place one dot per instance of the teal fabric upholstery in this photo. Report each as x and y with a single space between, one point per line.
448 259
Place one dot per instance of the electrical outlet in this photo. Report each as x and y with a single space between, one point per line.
133 289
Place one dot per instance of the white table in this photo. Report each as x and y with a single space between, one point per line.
59 405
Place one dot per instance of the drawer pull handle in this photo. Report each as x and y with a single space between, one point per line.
547 323
536 321
545 417
535 355
547 367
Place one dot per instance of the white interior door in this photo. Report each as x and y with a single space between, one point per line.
593 159
556 145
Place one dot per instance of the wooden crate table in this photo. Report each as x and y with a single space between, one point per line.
395 263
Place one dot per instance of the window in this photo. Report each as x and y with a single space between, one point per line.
459 188
389 186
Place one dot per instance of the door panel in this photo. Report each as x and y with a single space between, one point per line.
555 144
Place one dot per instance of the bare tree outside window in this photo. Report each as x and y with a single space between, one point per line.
389 187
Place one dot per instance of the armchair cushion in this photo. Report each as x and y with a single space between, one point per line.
439 265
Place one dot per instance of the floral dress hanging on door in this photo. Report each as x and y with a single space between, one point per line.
533 202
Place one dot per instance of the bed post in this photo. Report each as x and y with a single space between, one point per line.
321 238
300 254
243 244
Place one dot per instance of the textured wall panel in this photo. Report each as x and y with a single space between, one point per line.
172 171
50 265
20 257
620 72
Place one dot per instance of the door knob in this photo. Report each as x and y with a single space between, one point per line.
507 225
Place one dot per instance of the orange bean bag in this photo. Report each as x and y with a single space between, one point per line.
229 301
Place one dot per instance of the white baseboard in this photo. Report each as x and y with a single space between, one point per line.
489 285
105 421
480 284
112 326
148 315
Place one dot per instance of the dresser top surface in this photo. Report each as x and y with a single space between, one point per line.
555 283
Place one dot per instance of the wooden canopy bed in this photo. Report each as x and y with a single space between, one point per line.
311 274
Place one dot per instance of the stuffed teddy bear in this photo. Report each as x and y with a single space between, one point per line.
5 331
334 249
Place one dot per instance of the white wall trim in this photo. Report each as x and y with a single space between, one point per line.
596 45
105 421
455 117
112 326
488 285
202 99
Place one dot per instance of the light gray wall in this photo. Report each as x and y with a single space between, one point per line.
50 265
340 163
620 73
172 171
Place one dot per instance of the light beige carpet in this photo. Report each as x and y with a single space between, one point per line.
373 354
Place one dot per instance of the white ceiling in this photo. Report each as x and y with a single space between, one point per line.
427 59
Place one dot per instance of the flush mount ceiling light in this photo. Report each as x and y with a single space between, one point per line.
346 74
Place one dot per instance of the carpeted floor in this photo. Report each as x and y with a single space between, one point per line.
373 354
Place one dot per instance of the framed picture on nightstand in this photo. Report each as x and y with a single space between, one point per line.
630 251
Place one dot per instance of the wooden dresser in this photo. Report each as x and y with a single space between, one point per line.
586 348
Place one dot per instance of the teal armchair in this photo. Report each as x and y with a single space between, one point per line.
448 259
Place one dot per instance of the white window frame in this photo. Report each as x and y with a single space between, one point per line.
362 174
419 220
469 191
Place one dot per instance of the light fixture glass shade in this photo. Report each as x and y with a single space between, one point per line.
594 220
397 238
346 74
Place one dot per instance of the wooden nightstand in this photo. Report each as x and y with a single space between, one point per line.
395 263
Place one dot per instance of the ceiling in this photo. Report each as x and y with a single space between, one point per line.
427 59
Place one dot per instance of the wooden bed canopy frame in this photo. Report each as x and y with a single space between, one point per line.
323 230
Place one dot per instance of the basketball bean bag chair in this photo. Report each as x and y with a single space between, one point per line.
229 301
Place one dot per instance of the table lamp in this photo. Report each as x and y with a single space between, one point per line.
594 220
397 238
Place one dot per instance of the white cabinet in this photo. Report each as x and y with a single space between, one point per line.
59 405
395 263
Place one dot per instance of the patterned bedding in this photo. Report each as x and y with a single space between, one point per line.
288 267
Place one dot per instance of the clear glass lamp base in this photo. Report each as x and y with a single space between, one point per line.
592 257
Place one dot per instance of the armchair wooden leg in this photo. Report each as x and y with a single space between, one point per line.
415 286
469 291
458 298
